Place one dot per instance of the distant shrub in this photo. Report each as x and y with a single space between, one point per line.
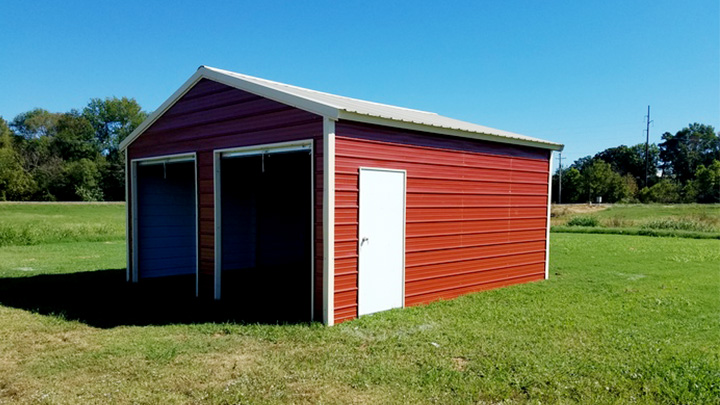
665 191
616 222
679 224
583 221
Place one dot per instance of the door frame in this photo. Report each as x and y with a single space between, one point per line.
404 222
132 255
254 150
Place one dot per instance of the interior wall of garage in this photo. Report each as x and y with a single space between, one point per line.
214 116
476 212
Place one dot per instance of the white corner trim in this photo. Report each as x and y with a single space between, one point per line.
549 209
328 221
217 219
134 218
197 226
128 203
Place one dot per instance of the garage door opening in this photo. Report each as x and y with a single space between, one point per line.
165 231
265 217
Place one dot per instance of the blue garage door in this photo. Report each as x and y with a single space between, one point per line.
166 219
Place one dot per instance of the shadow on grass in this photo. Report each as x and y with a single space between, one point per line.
104 299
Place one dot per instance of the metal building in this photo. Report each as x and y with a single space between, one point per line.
326 207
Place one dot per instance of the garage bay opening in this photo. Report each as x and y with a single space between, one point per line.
265 216
166 212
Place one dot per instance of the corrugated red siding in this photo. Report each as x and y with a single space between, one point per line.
215 116
476 212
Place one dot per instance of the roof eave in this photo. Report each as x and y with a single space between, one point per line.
369 119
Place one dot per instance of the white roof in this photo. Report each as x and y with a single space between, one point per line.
344 108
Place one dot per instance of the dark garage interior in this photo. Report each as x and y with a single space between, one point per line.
266 226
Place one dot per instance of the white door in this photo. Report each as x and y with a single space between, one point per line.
381 240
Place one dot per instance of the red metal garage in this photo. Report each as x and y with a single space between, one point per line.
325 207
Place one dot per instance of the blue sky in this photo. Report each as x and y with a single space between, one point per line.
581 73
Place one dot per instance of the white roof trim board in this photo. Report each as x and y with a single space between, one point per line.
343 108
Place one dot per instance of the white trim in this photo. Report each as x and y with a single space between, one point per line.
549 208
128 241
264 88
189 83
386 122
244 151
279 147
173 158
217 218
161 161
133 211
328 221
404 235
197 228
312 231
204 72
269 93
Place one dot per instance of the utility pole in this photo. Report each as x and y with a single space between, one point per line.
647 142
560 158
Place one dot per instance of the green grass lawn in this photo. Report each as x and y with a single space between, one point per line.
32 224
623 319
682 220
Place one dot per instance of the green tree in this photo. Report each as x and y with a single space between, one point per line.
631 160
113 120
15 182
601 181
664 191
35 123
583 163
689 148
84 176
75 138
572 186
705 188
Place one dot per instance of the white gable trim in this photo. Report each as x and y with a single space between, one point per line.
324 109
235 82
386 122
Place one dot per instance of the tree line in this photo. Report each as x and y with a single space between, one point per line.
72 156
75 156
683 167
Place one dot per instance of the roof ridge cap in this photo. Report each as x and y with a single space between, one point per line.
244 76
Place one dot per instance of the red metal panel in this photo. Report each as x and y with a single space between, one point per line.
476 215
214 116
441 269
452 293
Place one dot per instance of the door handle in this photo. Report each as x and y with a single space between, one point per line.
365 239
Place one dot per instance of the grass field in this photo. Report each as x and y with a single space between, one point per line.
623 319
32 224
682 220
